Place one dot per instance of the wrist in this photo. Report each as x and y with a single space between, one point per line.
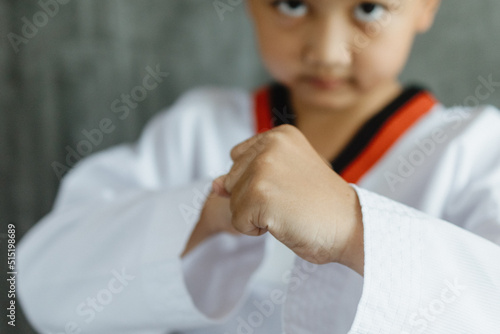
353 254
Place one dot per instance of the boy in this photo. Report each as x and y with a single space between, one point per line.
128 252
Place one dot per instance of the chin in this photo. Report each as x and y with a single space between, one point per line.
335 99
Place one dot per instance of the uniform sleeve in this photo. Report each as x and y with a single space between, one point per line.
107 257
426 275
421 275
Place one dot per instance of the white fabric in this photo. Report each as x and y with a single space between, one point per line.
106 259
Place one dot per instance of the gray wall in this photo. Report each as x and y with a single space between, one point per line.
64 79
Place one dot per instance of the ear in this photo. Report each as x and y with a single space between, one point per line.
426 19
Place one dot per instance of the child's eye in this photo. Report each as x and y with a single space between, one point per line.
369 12
293 8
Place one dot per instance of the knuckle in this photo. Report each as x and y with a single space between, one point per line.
250 154
235 152
281 137
261 144
264 161
286 129
238 221
259 191
276 135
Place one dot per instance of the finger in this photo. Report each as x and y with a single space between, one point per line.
218 186
227 182
254 143
245 221
238 194
246 214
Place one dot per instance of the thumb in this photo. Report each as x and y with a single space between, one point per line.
218 186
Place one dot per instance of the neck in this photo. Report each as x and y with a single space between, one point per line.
329 130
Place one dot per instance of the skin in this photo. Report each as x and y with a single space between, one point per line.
341 60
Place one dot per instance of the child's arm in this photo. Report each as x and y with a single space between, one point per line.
109 264
215 218
107 258
421 274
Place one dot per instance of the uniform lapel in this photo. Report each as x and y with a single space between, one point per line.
272 108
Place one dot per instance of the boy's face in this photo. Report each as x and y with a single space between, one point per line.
330 53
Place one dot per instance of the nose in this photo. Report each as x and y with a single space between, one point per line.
327 44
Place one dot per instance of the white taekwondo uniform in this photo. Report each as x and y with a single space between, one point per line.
107 258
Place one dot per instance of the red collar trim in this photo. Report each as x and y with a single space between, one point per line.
392 130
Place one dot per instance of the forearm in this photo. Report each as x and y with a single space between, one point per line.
112 245
200 233
214 218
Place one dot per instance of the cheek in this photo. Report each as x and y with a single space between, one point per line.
383 60
279 54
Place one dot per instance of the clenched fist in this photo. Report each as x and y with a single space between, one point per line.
279 183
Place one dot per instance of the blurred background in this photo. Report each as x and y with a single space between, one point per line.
62 67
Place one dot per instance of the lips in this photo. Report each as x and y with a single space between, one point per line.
326 83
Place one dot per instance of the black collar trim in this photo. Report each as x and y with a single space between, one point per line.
282 113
